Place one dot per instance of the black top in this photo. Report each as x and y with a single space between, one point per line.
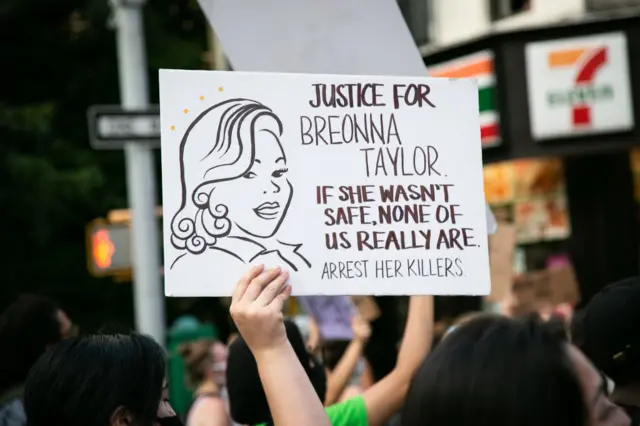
633 412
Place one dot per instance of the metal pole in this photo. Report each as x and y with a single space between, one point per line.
148 294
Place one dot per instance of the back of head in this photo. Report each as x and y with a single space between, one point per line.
83 381
197 358
607 331
27 327
247 400
498 371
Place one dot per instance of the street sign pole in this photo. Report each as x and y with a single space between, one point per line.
132 66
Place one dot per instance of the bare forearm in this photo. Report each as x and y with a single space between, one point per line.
386 397
291 397
339 377
418 335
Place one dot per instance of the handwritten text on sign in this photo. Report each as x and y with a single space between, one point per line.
372 205
357 185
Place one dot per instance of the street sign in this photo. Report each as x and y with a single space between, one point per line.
111 126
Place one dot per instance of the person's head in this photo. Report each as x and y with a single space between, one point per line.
461 320
101 380
607 331
231 148
30 325
204 360
513 372
247 399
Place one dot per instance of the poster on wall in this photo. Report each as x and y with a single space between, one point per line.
502 245
355 185
481 67
579 86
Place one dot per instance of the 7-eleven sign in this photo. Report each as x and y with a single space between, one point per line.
579 86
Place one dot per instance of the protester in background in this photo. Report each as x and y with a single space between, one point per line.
497 371
101 379
608 331
28 327
206 363
256 310
344 363
374 407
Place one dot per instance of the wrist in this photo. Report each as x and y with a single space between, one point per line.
267 353
360 340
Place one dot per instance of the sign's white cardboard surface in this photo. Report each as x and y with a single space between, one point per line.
356 37
380 192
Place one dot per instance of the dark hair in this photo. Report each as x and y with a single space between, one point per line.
607 331
27 327
497 371
82 381
247 400
332 352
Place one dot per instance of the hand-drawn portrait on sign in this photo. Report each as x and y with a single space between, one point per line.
235 192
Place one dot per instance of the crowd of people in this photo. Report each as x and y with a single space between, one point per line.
486 369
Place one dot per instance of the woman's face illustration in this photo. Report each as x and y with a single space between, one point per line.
258 201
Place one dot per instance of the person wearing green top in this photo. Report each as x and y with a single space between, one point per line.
376 405
352 412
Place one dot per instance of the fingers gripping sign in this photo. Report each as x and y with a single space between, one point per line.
256 307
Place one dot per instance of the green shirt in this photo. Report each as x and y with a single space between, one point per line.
351 412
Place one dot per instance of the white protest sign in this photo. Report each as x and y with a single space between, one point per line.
356 185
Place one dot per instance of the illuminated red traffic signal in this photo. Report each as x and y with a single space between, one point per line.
102 248
108 248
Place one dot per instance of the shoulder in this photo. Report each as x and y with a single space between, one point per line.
292 254
187 261
206 407
352 412
209 402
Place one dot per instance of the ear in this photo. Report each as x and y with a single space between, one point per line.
121 417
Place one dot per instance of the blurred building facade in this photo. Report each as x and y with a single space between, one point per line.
559 84
441 23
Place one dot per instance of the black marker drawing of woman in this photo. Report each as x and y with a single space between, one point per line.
235 192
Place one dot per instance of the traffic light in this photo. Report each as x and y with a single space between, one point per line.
108 248
109 245
102 248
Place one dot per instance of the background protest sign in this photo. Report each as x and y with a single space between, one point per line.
502 246
332 314
356 185
310 36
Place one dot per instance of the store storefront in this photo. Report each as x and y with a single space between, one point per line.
559 108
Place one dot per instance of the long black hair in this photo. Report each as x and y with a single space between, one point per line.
27 327
247 399
83 381
499 372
